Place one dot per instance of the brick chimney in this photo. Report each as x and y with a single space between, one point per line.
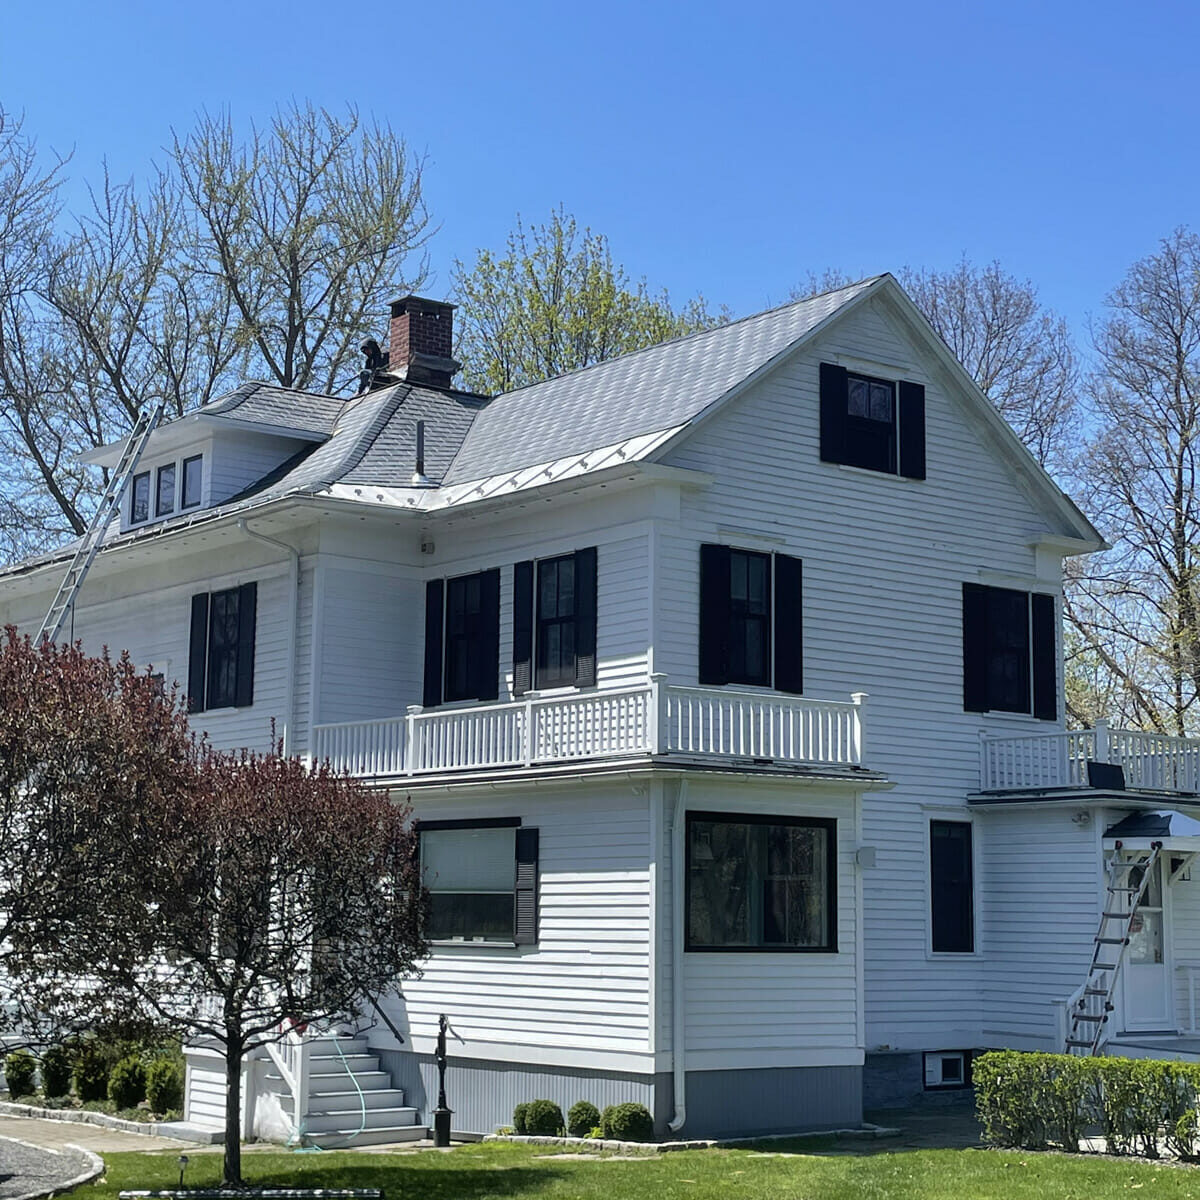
421 341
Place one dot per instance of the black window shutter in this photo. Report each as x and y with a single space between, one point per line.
247 614
522 628
489 635
714 614
585 617
434 606
1045 658
975 648
833 413
789 624
912 430
525 895
198 653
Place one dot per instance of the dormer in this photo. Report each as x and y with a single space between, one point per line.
208 457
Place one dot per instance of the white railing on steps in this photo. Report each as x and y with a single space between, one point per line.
1151 761
649 718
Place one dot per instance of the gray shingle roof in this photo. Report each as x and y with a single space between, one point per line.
647 390
265 404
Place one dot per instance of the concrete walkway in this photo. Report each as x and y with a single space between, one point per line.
56 1135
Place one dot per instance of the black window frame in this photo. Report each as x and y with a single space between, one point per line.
531 625
827 824
161 510
952 930
1010 651
524 926
562 673
474 643
221 668
870 441
139 507
184 502
742 620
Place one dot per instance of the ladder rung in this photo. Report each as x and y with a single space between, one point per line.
1091 1016
1095 991
1112 941
1077 1042
1118 916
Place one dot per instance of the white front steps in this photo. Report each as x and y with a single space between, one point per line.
351 1101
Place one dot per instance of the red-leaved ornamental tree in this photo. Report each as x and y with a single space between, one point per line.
150 879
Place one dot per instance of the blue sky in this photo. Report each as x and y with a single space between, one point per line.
724 148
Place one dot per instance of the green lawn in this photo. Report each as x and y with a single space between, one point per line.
502 1172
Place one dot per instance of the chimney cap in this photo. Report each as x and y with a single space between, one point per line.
403 304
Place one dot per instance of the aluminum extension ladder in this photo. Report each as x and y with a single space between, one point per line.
1090 1013
147 420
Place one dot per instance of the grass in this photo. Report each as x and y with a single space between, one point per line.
517 1172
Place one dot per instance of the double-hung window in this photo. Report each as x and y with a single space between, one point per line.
751 619
1010 651
193 477
761 882
164 498
870 422
462 638
554 622
951 887
221 660
482 879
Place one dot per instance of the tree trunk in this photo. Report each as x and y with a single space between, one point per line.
233 1107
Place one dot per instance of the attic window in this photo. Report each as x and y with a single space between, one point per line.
877 424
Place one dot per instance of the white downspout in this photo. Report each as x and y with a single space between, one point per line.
289 686
678 1032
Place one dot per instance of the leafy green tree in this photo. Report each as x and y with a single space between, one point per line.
554 301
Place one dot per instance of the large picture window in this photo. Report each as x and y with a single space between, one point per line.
481 878
761 883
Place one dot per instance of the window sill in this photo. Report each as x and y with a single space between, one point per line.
1003 714
873 474
770 951
464 944
953 956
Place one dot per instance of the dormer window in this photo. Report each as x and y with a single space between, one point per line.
193 475
139 502
164 502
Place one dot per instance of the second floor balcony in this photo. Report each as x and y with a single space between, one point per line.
1102 759
648 720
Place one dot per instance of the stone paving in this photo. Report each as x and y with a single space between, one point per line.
26 1168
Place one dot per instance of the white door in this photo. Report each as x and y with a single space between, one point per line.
1146 998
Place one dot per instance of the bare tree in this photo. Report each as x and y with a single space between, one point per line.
270 257
555 301
1137 608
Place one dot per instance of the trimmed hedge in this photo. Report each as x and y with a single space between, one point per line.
582 1119
164 1085
19 1069
56 1071
627 1123
519 1115
127 1083
1140 1106
543 1118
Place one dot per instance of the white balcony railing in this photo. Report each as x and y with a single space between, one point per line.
1151 761
651 718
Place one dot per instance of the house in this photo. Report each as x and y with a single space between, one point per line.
724 679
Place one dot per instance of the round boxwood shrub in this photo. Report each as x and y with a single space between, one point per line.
164 1085
543 1117
127 1083
628 1123
56 1071
519 1117
91 1071
582 1119
19 1068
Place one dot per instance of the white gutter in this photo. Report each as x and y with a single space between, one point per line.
289 687
678 1030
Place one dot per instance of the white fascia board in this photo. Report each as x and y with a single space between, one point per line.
1066 546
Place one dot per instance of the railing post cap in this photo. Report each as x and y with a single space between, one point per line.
860 697
415 710
658 676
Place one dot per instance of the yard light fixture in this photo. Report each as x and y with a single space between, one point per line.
183 1162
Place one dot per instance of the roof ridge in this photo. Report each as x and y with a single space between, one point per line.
696 333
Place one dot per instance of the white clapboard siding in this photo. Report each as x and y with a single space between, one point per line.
585 985
238 459
1183 923
1041 894
884 563
204 1093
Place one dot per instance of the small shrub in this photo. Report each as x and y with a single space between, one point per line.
628 1123
519 1116
583 1117
19 1069
544 1118
164 1085
56 1072
595 1132
91 1071
127 1083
